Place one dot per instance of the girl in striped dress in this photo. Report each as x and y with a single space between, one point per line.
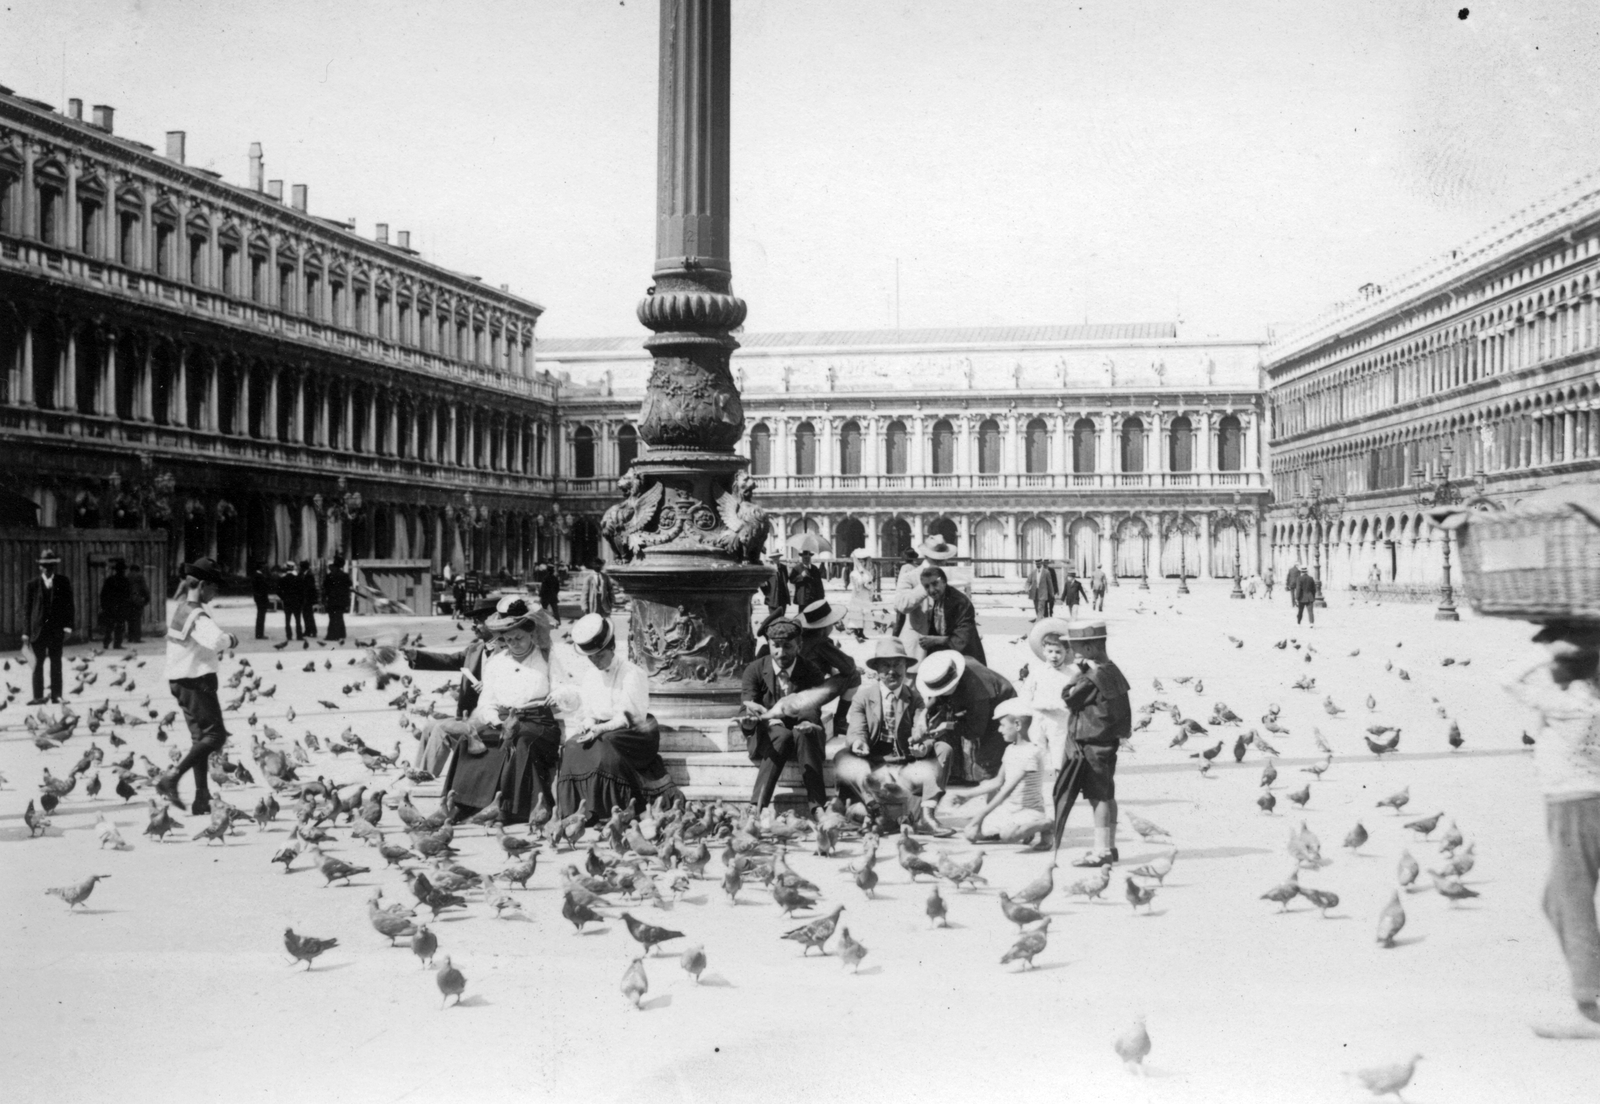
1015 811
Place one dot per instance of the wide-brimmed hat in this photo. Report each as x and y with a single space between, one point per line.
819 615
591 634
511 612
938 674
860 554
205 569
886 650
48 556
937 548
1047 626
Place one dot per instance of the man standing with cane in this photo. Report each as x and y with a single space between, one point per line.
1099 719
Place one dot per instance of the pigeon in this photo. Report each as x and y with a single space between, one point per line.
75 895
1404 674
305 948
959 872
1356 837
1133 1045
390 923
1208 754
1267 802
1284 892
108 834
850 951
1139 895
1019 914
452 983
693 961
577 912
816 933
1091 888
337 870
1305 847
1301 796
1372 703
1261 744
36 823
1158 869
286 856
1451 888
1528 741
1332 709
1407 869
161 821
1384 748
1038 889
1322 898
1455 739
1383 1080
634 982
648 934
1147 830
935 908
1269 775
1396 801
1239 748
1463 862
732 882
1452 840
1426 825
1027 945
915 864
1391 920
867 876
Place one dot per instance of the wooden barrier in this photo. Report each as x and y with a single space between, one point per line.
392 586
86 556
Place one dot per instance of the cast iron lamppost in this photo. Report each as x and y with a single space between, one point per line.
1238 520
1180 524
1439 493
1321 512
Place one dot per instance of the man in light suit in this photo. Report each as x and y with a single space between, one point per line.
891 759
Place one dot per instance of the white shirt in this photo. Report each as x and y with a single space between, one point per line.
1050 716
511 682
1567 755
195 644
1022 757
623 689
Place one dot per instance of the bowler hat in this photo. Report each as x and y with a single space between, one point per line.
887 650
938 673
205 569
48 556
591 634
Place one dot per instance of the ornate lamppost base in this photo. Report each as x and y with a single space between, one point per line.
1144 582
1183 585
1237 591
1446 613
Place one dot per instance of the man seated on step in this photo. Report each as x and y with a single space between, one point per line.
892 762
783 695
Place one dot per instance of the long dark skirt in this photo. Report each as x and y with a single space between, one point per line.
519 769
620 769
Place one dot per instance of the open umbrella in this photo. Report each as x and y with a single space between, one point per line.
814 543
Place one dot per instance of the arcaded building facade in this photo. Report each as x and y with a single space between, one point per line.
1490 351
1121 445
180 352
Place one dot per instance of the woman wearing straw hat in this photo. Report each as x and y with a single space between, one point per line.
861 583
612 755
195 644
516 745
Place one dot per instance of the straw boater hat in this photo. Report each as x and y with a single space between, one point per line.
1085 630
938 674
48 556
591 634
1047 626
888 649
937 548
819 615
512 612
205 569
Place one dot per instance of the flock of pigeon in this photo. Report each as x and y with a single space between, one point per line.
326 793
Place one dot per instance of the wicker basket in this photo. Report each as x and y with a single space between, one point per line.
1539 560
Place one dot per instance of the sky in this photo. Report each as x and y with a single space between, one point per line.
1236 166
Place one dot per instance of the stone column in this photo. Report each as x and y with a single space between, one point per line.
147 384
1110 455
178 394
106 399
67 374
22 394
69 217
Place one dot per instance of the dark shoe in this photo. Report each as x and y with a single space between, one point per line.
167 787
38 701
1097 858
199 809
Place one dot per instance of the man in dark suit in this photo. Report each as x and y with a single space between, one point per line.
309 597
114 604
962 694
336 598
289 595
1042 589
777 589
261 591
891 758
773 741
48 614
942 619
805 581
440 737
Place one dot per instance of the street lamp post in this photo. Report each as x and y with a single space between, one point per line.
1238 520
1322 512
1437 493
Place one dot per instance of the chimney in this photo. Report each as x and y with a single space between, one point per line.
275 189
175 142
403 238
102 117
297 197
75 109
381 233
257 167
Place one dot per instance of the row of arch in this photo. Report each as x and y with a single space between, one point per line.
1130 433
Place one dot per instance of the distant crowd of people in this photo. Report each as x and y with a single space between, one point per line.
299 592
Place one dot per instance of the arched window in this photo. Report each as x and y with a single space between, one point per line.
1036 542
1230 445
989 548
805 449
989 447
944 528
627 448
1180 451
848 536
895 459
761 450
1038 447
944 448
895 537
1083 446
850 451
583 453
1133 445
